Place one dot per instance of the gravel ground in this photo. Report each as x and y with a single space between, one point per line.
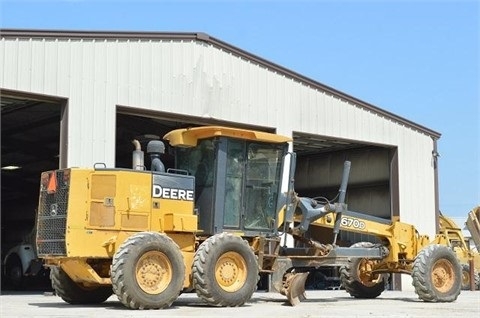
333 303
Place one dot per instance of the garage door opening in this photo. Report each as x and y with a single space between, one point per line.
372 187
320 167
144 126
141 128
373 183
31 130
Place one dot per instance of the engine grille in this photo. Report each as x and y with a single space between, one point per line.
52 217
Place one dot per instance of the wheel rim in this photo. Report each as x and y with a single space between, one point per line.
443 275
231 271
365 275
153 272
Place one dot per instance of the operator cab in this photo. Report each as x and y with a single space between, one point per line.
238 177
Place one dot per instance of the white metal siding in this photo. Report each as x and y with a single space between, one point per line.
196 78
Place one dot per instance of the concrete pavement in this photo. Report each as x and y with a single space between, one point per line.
335 303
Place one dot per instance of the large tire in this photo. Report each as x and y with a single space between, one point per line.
437 274
74 293
148 271
14 273
466 277
356 278
225 271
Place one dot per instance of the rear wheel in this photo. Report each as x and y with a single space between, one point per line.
148 271
74 293
437 274
14 272
357 277
466 277
225 271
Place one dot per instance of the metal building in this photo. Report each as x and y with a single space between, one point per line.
74 98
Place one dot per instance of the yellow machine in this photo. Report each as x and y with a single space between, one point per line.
214 223
455 239
407 252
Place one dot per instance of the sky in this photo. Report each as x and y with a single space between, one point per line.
417 59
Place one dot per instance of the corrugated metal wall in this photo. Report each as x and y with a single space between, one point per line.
191 77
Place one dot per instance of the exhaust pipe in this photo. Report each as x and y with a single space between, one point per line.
137 156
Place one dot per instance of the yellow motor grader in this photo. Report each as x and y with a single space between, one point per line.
453 237
212 224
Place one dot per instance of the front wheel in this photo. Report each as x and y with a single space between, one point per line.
357 277
225 271
437 274
148 271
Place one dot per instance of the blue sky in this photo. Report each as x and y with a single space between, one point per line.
417 59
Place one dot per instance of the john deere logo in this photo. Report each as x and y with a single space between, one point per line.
172 193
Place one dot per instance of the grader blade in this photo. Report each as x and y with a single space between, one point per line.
295 290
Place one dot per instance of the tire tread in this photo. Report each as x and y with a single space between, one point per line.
421 276
204 285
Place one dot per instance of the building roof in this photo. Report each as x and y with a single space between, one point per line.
202 37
